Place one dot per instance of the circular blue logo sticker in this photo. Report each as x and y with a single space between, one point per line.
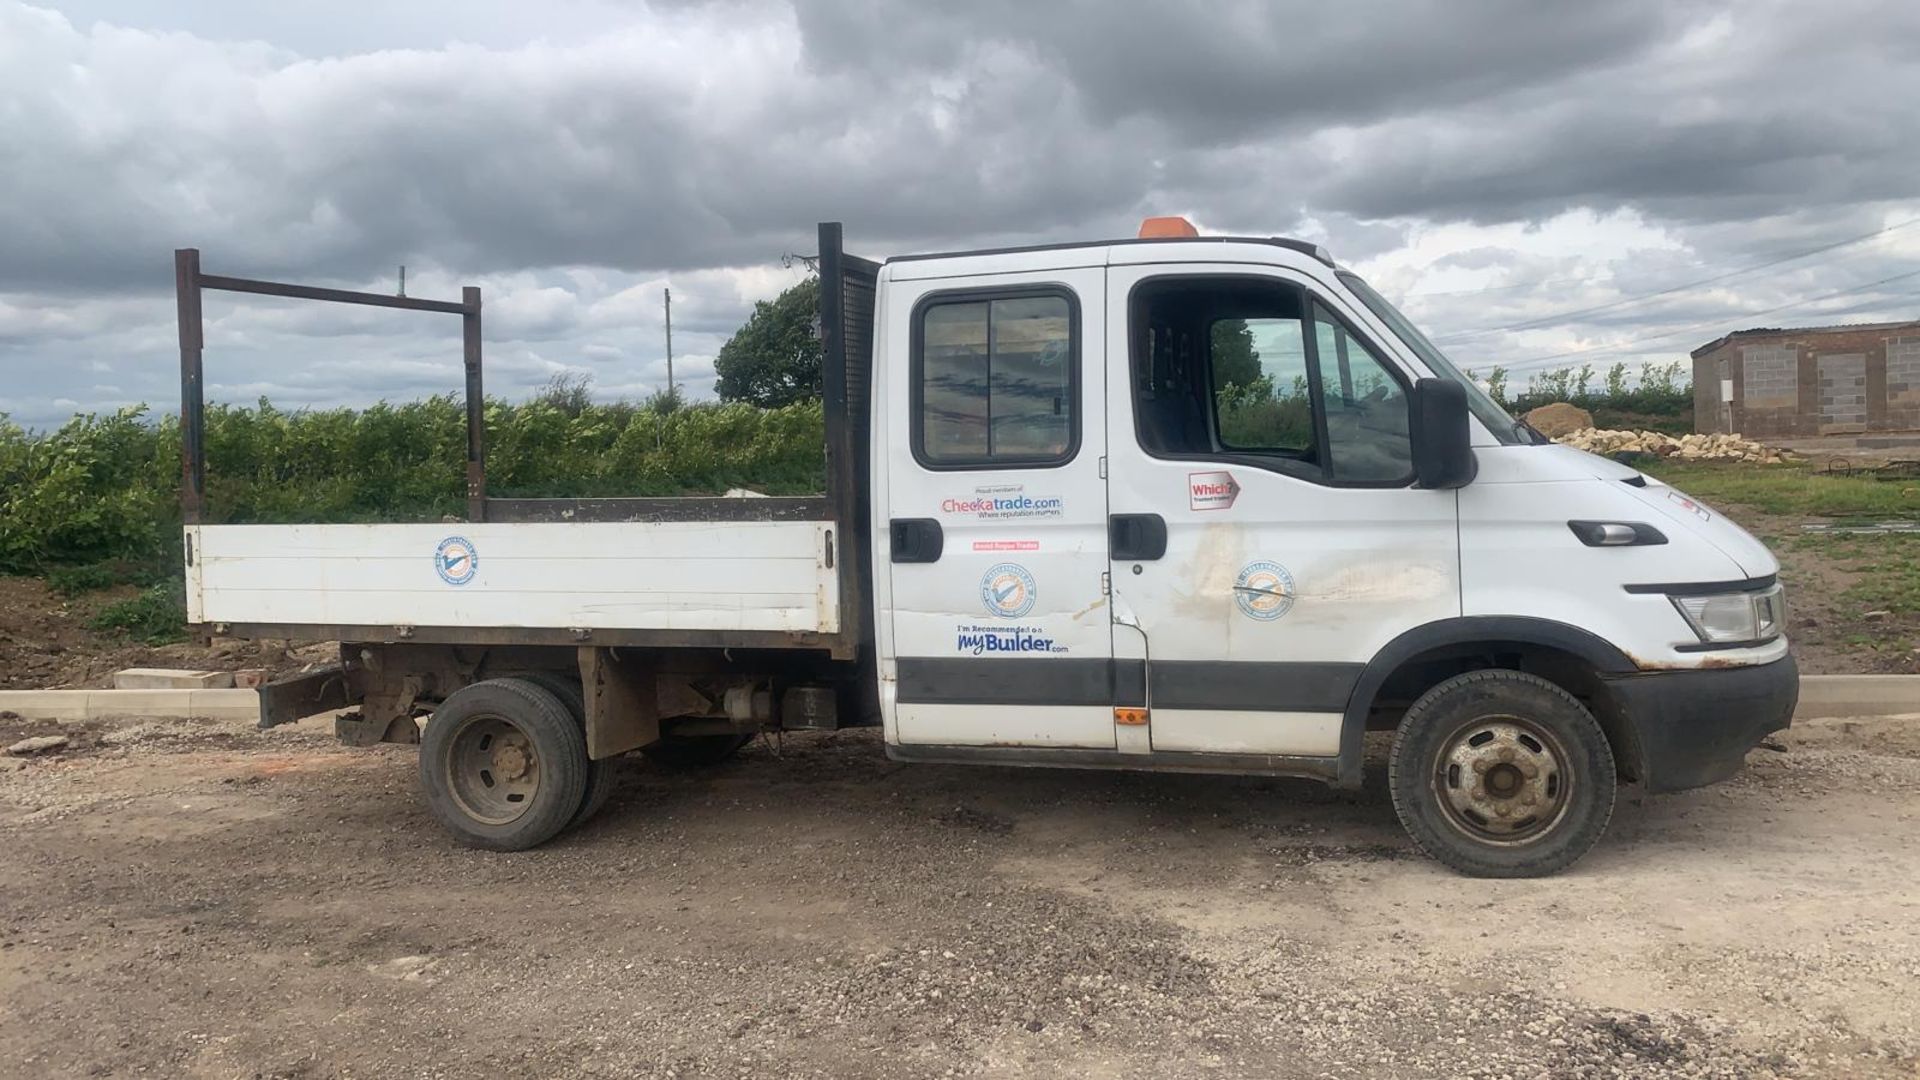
455 560
1264 590
1007 590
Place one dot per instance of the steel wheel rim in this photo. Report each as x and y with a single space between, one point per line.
493 771
1502 780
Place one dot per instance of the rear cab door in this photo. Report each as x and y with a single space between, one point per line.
991 615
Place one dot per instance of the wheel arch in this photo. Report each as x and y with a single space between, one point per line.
1577 660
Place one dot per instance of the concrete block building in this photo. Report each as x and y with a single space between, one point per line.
1820 380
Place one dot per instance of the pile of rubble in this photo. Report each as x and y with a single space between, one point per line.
1714 447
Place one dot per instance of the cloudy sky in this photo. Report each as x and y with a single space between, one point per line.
1541 184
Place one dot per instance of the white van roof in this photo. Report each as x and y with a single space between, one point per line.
1268 249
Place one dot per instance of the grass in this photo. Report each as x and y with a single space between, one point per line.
1792 490
157 616
1876 572
73 581
1889 565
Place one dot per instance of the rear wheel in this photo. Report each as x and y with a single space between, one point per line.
1502 774
683 752
600 771
503 764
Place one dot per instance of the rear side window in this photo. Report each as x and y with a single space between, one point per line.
994 380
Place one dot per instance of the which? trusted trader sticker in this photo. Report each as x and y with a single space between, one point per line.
1212 490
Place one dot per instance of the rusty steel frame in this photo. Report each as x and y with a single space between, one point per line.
188 285
846 345
846 369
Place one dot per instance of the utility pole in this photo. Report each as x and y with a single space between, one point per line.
669 295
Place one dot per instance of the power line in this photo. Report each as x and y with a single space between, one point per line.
1549 283
1625 346
1568 316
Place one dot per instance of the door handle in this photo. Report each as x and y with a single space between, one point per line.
1141 537
916 540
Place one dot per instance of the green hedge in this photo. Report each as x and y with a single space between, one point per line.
105 489
1658 396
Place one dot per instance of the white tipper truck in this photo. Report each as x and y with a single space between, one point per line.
1174 502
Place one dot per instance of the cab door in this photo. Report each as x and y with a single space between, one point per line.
1263 431
996 511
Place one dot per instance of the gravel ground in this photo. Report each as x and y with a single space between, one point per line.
207 901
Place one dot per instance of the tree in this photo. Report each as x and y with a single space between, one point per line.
571 392
664 401
774 359
1617 381
1235 361
1497 384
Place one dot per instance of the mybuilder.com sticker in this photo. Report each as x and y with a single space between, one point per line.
978 640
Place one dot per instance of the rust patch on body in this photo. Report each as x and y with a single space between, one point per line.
1705 663
1098 603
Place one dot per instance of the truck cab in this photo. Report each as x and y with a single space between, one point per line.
1213 504
1171 502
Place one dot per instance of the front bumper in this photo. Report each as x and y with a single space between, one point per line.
1694 727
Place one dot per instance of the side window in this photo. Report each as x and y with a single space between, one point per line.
1261 396
1254 369
994 381
1366 407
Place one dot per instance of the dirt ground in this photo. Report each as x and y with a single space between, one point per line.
1871 448
1831 629
204 900
1824 627
45 643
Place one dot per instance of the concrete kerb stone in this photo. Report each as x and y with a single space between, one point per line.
63 705
1857 695
171 679
76 705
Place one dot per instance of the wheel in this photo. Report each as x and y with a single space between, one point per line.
1502 774
694 751
503 764
600 772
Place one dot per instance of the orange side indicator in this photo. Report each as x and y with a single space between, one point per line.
1130 717
1157 227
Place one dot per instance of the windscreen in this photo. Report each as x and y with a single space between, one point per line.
1496 419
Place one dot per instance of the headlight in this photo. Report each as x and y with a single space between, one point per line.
1770 608
1738 616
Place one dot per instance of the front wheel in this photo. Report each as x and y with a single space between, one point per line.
1499 773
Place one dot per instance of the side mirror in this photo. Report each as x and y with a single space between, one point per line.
1440 431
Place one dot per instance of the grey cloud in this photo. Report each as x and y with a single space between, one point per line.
566 153
491 160
1209 70
1778 114
923 127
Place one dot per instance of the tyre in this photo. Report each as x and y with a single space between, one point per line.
1502 774
681 753
503 764
599 772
